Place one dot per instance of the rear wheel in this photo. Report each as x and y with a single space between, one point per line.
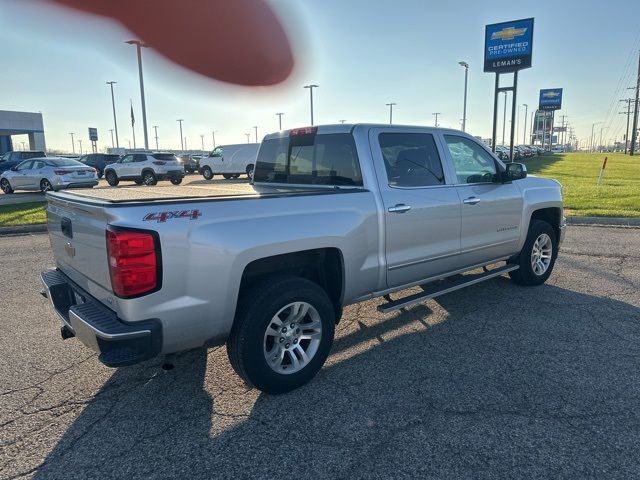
235 175
112 178
249 172
282 333
149 178
176 181
99 172
45 185
207 173
6 186
538 255
227 176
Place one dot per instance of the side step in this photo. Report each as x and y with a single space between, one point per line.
441 287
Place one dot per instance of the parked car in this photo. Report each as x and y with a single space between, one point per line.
502 153
48 173
230 160
99 161
11 159
189 163
145 168
335 215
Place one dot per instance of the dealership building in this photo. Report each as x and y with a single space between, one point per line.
21 123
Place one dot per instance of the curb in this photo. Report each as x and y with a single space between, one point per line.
605 221
23 229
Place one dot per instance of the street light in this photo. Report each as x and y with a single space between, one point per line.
80 142
248 137
279 120
524 133
139 45
73 144
202 140
311 87
115 120
436 115
180 120
155 128
342 121
256 130
390 105
464 109
213 137
112 144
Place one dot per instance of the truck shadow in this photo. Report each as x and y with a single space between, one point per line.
496 380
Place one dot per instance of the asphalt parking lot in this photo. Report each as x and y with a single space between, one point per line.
496 381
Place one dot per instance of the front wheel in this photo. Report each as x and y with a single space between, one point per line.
112 178
176 181
149 178
282 333
45 185
207 173
538 255
249 171
6 186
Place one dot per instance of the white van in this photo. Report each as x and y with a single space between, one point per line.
230 160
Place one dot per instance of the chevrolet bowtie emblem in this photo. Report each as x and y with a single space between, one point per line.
70 249
550 94
508 33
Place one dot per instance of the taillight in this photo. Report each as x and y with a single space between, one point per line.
134 261
62 172
159 163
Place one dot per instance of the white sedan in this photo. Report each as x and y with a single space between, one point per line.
48 173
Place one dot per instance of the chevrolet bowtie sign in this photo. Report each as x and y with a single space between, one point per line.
508 46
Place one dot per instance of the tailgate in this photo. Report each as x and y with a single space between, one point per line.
78 240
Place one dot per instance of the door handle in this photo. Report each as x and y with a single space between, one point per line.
471 201
400 208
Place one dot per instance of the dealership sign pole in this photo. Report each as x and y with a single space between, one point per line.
507 49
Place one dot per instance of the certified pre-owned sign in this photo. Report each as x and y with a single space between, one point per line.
508 46
550 99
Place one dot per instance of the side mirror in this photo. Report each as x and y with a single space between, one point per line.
14 168
515 171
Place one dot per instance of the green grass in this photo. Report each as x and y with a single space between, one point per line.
617 196
23 214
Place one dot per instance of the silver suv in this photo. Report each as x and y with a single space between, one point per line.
145 168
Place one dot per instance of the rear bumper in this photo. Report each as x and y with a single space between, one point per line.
170 175
118 343
84 184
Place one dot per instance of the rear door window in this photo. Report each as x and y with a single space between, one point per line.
411 160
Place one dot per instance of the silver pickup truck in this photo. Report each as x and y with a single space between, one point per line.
334 215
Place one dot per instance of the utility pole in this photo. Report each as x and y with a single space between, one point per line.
279 121
155 127
248 137
139 46
80 143
73 144
202 140
180 120
255 128
524 132
390 105
628 114
115 120
342 121
112 144
634 131
464 108
436 115
311 87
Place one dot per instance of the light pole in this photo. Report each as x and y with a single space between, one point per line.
23 146
213 137
202 140
279 120
80 142
256 130
113 105
248 137
464 109
311 87
504 117
73 145
524 133
180 120
112 144
139 46
390 105
155 128
436 115
592 128
342 121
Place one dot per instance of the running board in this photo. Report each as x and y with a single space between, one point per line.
438 288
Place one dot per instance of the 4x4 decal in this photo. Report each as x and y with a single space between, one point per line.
162 217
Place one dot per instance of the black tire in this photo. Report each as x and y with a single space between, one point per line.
227 176
6 186
249 171
138 182
526 275
207 173
256 309
235 175
112 178
45 185
176 181
99 173
149 178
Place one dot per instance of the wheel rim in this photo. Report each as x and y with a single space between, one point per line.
45 186
541 254
148 179
292 338
207 173
4 185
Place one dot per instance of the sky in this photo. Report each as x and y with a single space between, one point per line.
362 54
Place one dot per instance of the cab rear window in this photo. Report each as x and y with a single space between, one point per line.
329 159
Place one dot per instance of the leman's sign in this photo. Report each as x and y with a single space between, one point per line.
508 46
550 99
